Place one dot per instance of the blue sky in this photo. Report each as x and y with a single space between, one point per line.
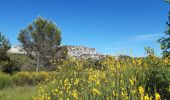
110 26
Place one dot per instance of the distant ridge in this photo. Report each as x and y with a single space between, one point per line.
17 49
78 52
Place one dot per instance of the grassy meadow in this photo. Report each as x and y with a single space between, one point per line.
18 93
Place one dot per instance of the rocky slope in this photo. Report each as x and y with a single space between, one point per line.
79 52
17 49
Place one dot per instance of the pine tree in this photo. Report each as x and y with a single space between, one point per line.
165 41
40 40
4 47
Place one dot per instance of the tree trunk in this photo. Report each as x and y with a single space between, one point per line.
38 63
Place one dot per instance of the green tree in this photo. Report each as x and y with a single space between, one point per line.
6 64
4 47
165 41
167 1
149 51
40 40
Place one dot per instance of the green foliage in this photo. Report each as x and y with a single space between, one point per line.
165 41
4 47
22 61
6 64
29 78
111 79
168 1
9 66
124 57
100 79
60 56
5 81
18 93
158 79
40 40
149 51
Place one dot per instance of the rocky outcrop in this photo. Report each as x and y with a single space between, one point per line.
17 49
81 52
78 52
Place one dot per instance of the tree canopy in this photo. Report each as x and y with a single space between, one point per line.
40 40
4 47
165 41
167 1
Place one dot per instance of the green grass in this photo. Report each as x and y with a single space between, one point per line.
18 93
5 81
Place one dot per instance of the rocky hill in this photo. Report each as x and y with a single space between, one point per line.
78 52
82 52
17 49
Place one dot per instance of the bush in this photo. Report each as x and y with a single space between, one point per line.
159 80
5 80
9 66
76 80
122 79
23 61
29 78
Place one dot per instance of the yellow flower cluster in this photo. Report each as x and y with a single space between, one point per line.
113 80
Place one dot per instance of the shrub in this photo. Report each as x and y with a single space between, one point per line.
29 78
5 80
9 66
159 81
23 61
122 79
114 80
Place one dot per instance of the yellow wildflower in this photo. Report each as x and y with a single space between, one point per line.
76 81
113 84
146 97
97 82
141 90
145 65
166 61
56 90
48 98
74 94
132 81
157 96
139 61
94 90
66 81
133 91
133 61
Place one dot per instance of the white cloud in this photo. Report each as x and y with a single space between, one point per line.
139 38
145 37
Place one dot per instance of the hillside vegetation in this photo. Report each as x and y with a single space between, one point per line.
44 72
125 79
